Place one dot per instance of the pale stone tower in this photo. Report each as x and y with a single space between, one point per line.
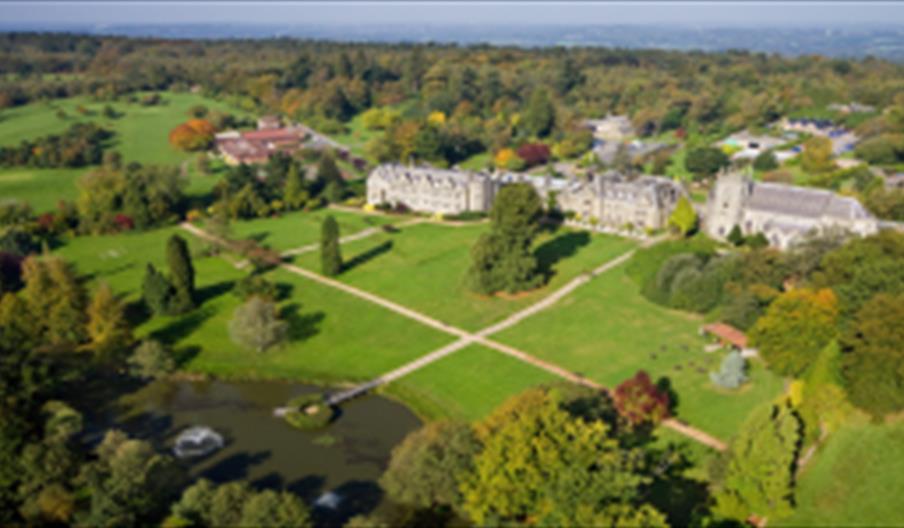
725 206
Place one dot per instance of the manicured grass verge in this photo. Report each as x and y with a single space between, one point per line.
855 480
607 331
424 267
41 188
298 229
467 385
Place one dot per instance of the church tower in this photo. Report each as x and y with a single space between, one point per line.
725 206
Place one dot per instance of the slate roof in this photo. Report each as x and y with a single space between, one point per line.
804 202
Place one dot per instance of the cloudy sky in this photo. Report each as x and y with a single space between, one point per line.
711 13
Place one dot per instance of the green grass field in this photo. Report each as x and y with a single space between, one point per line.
41 188
141 131
855 480
425 266
337 337
607 331
357 137
467 385
297 229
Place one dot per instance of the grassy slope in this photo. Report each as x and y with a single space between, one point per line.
607 331
336 337
854 481
467 385
424 267
41 188
302 228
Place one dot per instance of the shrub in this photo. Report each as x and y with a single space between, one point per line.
732 373
639 401
309 411
150 360
256 325
255 285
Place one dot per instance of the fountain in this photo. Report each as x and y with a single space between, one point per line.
329 500
197 441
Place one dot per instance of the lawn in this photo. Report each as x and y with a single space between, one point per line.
424 267
357 137
855 480
335 337
141 131
607 331
297 229
467 385
41 188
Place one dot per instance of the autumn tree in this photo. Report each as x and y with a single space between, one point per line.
256 325
194 134
425 469
683 219
873 362
501 260
795 328
108 329
759 475
817 155
541 466
330 253
56 300
640 401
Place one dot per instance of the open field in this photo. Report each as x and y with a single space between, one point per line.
297 229
141 131
855 480
424 267
336 336
467 385
607 331
41 188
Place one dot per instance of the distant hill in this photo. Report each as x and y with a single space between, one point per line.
885 42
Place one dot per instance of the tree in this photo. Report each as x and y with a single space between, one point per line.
639 401
540 114
426 467
235 504
330 253
327 172
194 134
56 300
541 466
817 155
735 236
130 483
795 328
760 468
108 328
873 362
295 194
732 373
765 161
683 219
151 360
705 162
501 260
256 325
182 274
156 291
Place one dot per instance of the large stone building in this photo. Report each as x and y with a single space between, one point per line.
609 199
783 213
429 189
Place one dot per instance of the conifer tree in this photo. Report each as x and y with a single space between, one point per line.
294 194
157 291
182 274
330 254
683 218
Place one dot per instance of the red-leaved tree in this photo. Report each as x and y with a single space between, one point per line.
533 154
640 401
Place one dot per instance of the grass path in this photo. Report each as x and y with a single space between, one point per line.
465 338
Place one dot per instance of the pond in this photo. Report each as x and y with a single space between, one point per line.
346 457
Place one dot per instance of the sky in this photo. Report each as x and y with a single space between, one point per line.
724 13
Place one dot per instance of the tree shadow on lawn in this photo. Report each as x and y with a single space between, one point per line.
559 248
301 326
258 237
183 327
212 291
370 254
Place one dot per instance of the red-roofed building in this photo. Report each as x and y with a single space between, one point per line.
727 334
256 146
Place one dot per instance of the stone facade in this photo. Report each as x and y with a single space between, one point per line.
427 189
609 199
783 213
